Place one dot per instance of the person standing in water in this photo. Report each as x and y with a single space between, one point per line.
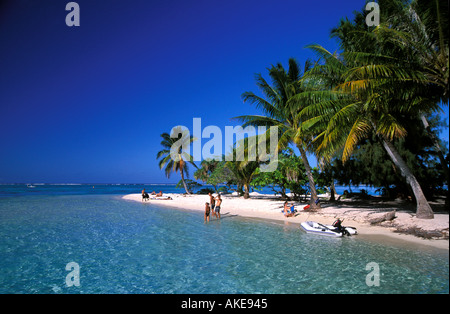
218 205
207 212
212 202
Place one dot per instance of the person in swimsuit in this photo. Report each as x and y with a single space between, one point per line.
218 204
207 211
287 210
145 196
212 201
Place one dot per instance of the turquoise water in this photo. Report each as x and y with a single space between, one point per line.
128 247
8 190
11 190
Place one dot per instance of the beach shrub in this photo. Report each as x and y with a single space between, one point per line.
289 175
205 191
189 184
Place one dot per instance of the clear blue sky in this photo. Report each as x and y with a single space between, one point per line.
88 104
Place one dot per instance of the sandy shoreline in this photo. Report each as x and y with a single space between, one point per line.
357 215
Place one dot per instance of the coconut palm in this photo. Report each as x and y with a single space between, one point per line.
408 53
242 168
406 66
358 107
173 157
279 112
244 172
421 33
208 166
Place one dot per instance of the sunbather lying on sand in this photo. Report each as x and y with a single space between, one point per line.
162 198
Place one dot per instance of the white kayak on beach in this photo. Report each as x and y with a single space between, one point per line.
327 230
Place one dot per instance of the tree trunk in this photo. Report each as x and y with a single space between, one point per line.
247 190
184 183
312 184
239 190
332 191
283 193
386 217
424 210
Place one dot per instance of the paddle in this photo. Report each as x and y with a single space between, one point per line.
323 226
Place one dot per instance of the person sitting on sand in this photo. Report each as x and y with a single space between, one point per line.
159 194
344 196
207 211
145 195
288 210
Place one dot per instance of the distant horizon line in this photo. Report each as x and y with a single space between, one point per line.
92 183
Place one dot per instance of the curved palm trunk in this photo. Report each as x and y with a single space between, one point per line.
424 210
246 190
332 191
312 184
239 189
184 183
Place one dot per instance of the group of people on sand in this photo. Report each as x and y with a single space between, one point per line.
289 210
146 196
213 207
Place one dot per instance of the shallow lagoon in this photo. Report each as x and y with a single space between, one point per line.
127 247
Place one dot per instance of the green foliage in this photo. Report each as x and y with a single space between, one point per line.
190 184
368 112
221 173
384 78
289 175
172 157
281 109
205 173
205 191
370 164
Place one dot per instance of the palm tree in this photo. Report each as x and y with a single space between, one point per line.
244 173
421 35
208 166
409 56
172 157
409 61
356 108
282 113
243 169
418 30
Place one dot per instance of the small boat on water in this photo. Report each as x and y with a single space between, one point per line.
317 228
30 186
335 230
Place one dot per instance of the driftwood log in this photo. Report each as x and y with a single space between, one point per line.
386 217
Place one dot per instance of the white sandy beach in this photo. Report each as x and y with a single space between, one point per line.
269 207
